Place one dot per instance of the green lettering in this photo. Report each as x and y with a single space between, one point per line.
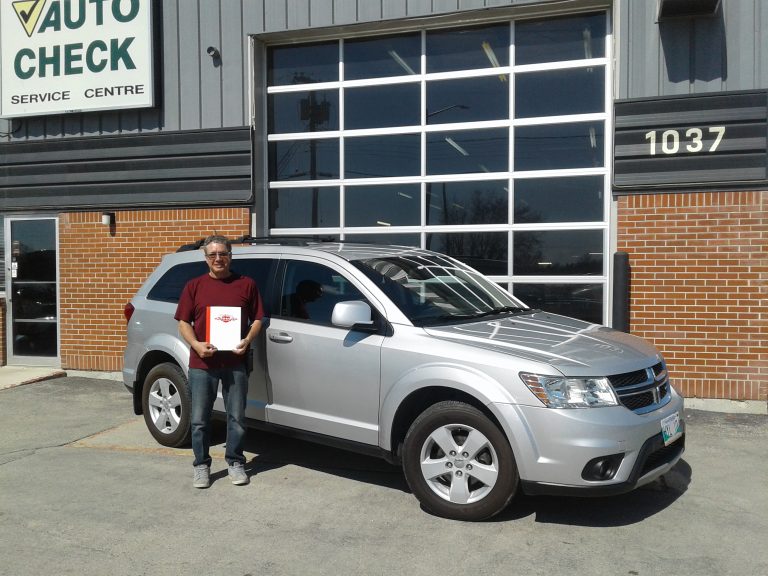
123 18
17 66
68 21
52 19
70 57
54 61
99 11
90 61
120 52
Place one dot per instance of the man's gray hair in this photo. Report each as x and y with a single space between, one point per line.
217 239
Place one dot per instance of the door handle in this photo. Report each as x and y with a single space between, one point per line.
280 337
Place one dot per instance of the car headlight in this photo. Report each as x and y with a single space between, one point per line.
562 392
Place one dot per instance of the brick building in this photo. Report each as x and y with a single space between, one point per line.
534 139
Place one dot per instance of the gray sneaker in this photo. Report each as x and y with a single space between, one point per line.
237 474
202 476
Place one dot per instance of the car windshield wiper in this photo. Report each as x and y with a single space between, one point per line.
476 315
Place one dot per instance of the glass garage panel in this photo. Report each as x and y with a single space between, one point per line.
381 156
382 106
558 253
559 39
382 205
304 207
560 92
571 199
316 159
303 64
582 301
468 151
303 111
382 57
468 48
559 146
468 99
399 239
484 202
484 251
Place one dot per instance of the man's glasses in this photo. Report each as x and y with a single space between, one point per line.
214 255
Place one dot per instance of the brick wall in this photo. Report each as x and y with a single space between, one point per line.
101 268
699 287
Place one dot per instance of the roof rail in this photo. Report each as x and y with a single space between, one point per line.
279 240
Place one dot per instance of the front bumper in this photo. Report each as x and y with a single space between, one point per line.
552 447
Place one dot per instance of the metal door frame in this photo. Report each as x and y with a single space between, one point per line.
11 358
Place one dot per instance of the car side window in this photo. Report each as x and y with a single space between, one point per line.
260 270
310 291
170 285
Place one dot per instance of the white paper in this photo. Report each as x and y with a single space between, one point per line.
223 326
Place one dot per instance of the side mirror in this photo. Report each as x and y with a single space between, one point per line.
353 313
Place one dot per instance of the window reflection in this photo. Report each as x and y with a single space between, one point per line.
467 202
304 207
557 146
382 106
558 252
376 156
468 100
381 57
382 205
486 252
583 301
558 39
397 239
316 159
303 111
303 64
572 199
468 48
560 92
467 151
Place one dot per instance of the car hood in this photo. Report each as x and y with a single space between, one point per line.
574 347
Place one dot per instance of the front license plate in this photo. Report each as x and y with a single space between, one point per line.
670 428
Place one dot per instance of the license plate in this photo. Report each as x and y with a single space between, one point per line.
670 428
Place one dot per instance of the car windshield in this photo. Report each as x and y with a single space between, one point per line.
433 289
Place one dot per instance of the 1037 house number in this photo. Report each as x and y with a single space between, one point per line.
691 141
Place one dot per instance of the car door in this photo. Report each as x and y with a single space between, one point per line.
322 378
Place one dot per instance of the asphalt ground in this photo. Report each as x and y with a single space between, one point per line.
85 490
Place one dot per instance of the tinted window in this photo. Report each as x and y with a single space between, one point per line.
571 199
570 38
380 57
169 287
559 146
382 205
377 156
466 151
304 159
468 99
558 252
582 301
462 203
464 49
560 92
303 111
382 106
304 207
303 64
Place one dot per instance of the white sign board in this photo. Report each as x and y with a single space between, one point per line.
59 56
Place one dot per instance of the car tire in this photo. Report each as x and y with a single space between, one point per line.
166 405
458 463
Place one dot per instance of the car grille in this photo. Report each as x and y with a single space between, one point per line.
642 390
663 455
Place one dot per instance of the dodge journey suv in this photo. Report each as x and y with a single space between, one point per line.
415 357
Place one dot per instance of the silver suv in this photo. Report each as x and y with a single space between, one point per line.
415 357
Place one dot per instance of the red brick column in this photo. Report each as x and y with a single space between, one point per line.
699 287
101 268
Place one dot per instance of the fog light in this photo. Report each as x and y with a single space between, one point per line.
602 468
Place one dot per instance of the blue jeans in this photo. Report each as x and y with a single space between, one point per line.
203 385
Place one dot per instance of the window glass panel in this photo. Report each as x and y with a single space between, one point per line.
398 239
303 111
557 146
467 202
382 106
303 64
573 199
304 159
560 92
467 151
558 252
468 48
304 207
382 205
468 99
381 57
558 39
486 252
376 156
582 301
169 287
310 291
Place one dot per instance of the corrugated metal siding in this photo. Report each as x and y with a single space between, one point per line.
691 56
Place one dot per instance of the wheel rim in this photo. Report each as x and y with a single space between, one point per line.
459 464
164 405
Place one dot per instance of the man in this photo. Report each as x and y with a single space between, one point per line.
207 365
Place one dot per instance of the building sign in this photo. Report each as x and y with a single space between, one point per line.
60 56
703 141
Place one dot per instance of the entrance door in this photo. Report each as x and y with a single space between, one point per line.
32 291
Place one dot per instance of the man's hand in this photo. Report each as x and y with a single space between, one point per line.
241 347
204 349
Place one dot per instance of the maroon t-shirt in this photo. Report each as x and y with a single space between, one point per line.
204 291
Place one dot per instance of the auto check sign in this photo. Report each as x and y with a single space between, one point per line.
60 56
